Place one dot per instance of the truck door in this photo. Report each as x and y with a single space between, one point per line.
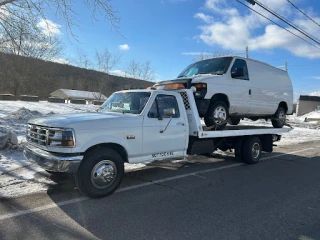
240 87
164 136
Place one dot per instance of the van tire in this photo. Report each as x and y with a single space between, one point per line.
279 118
252 150
101 160
234 121
224 110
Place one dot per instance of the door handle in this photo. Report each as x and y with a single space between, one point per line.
249 91
180 123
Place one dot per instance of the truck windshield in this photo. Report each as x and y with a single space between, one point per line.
126 102
215 66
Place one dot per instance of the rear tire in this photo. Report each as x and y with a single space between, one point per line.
100 173
252 150
279 118
234 121
217 110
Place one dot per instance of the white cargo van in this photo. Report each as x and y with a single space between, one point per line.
231 88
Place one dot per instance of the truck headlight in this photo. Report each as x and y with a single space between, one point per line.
201 90
61 138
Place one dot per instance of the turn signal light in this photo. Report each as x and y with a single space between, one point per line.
200 85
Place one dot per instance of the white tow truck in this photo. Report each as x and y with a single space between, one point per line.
131 127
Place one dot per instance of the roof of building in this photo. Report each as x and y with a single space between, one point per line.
309 98
77 94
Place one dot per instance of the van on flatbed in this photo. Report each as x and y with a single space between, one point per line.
134 126
231 88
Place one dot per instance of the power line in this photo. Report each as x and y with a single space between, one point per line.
286 21
303 12
277 24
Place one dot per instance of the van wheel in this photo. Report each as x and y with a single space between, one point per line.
279 118
100 173
217 115
252 150
234 121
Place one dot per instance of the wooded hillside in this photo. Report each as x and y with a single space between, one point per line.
23 75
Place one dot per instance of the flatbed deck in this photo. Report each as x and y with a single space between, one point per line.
233 131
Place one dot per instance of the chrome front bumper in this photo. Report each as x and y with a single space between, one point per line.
53 162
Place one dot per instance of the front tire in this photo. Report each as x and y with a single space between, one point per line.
279 118
100 173
217 115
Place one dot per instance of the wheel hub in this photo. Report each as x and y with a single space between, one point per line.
282 116
220 115
256 150
103 174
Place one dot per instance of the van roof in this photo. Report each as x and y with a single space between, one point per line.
250 59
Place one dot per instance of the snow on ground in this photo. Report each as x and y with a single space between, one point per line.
302 131
17 175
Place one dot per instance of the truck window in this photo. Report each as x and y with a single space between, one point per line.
163 102
126 102
238 64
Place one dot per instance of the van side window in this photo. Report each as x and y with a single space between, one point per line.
239 70
161 103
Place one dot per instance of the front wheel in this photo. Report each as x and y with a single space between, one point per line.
101 173
217 115
279 118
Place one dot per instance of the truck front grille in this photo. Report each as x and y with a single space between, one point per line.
38 134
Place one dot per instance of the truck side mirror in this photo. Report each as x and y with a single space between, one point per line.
169 112
237 73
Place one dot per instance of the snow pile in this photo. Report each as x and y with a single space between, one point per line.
8 139
23 114
314 114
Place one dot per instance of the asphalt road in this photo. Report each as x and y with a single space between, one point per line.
211 197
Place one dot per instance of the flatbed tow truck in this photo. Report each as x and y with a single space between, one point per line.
135 126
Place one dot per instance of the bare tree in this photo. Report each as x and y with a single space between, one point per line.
106 61
82 60
140 70
28 40
62 9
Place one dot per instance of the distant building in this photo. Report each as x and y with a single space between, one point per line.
76 94
307 104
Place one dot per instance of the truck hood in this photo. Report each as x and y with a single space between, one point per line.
194 79
84 120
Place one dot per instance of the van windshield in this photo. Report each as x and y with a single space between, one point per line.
215 66
126 102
